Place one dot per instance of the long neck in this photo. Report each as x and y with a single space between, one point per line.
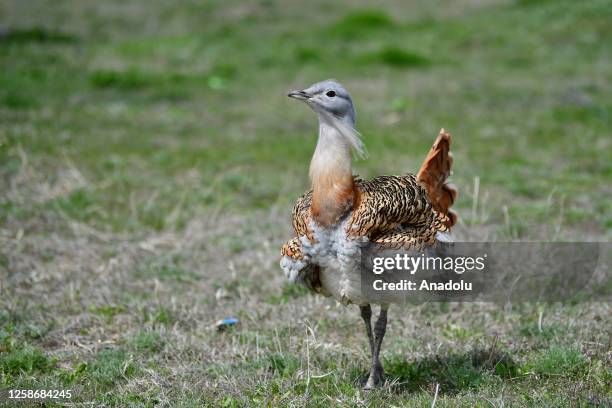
331 176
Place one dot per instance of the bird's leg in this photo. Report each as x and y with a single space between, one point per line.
366 315
376 372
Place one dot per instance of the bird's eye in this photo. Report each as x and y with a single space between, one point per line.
331 94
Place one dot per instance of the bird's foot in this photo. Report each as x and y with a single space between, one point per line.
376 378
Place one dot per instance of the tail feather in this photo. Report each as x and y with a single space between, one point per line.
434 173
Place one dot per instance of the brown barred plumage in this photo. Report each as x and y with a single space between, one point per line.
388 206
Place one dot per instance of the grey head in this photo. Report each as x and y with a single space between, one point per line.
329 100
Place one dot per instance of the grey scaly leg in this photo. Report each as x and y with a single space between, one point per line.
377 372
366 315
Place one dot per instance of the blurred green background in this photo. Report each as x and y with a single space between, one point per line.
170 108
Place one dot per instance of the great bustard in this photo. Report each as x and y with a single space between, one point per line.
341 212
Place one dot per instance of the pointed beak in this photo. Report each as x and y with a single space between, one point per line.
300 95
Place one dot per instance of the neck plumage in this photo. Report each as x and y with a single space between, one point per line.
331 174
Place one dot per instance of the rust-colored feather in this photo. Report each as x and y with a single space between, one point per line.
333 197
433 176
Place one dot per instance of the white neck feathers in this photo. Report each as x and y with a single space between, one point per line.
332 154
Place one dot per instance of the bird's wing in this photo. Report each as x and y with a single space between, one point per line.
395 209
388 208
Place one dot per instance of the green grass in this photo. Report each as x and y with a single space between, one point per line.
109 367
148 341
397 57
559 361
149 159
23 359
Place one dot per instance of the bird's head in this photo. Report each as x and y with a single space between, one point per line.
329 100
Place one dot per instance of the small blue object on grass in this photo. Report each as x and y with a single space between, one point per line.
226 323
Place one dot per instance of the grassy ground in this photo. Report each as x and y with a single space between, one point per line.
149 159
